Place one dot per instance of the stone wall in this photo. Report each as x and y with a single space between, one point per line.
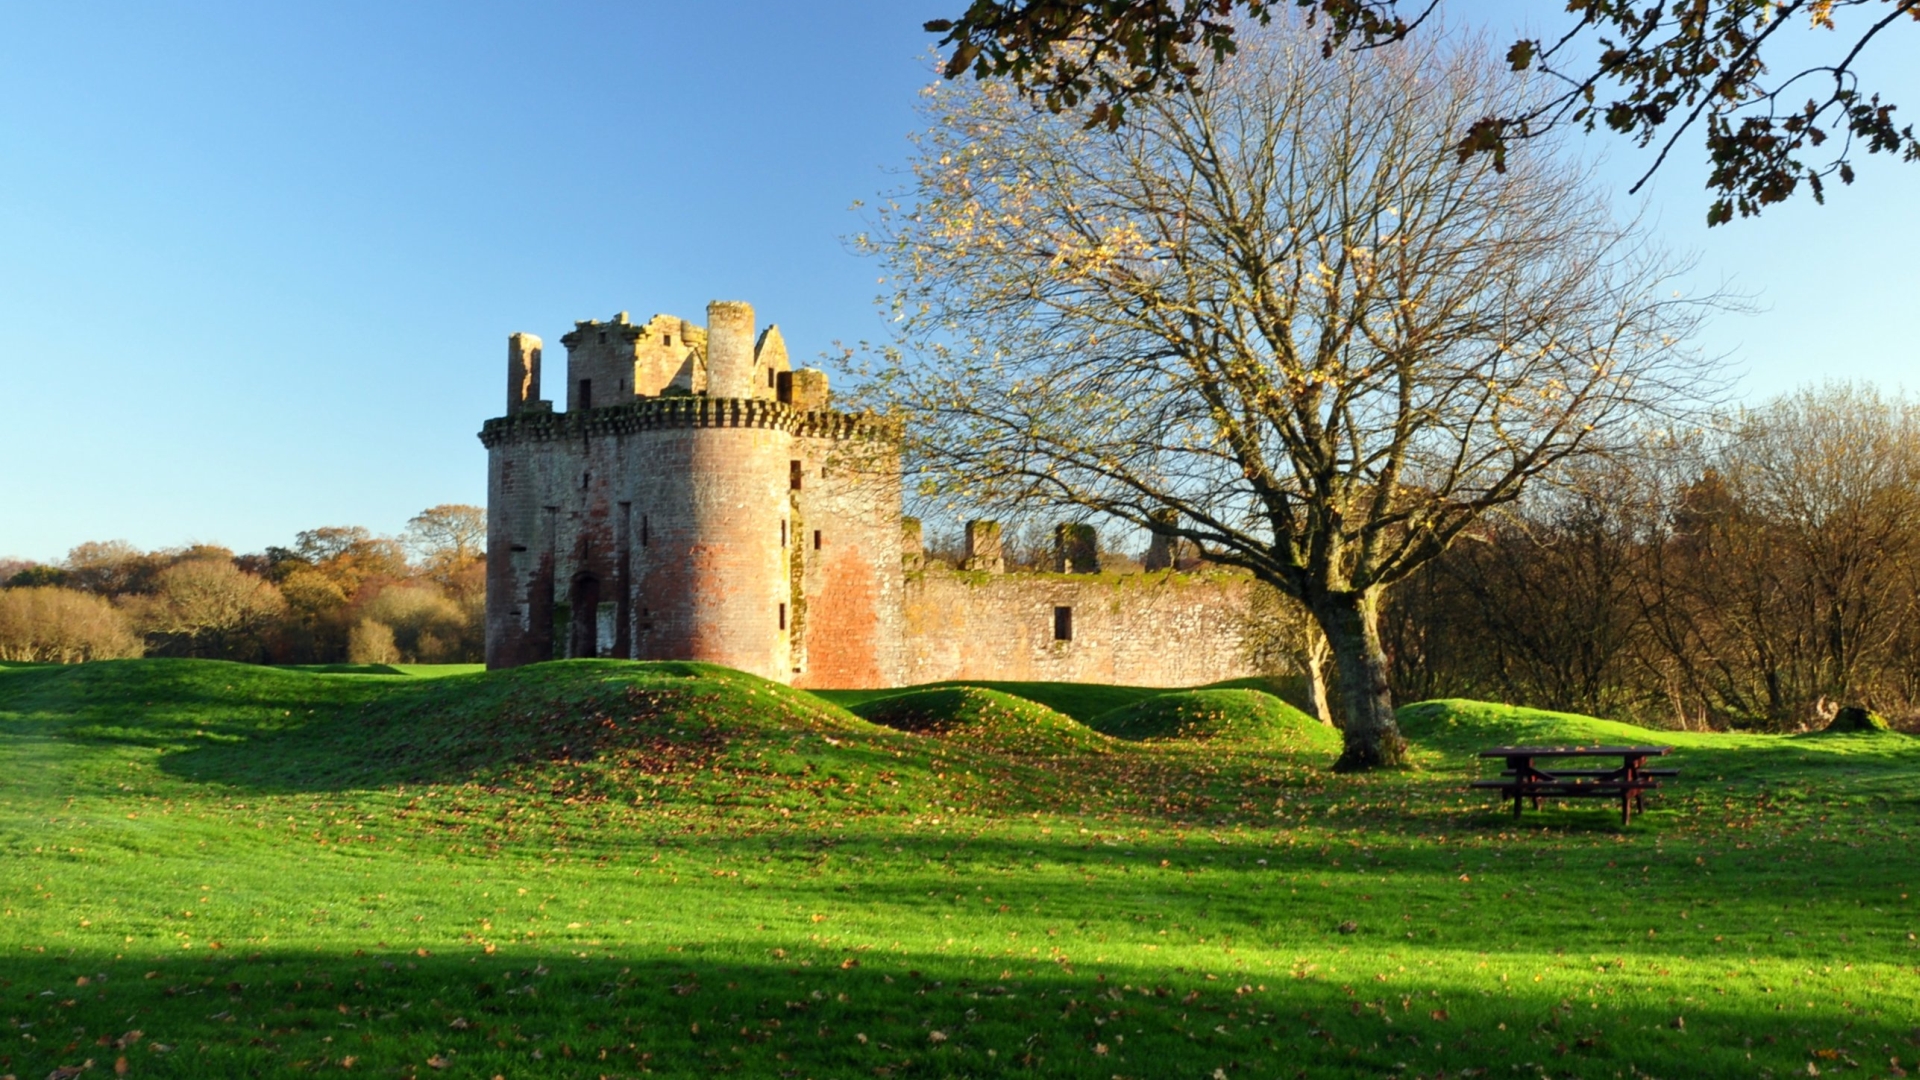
1157 629
846 557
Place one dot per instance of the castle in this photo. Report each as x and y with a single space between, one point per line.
699 499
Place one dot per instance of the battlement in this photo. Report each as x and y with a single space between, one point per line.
650 414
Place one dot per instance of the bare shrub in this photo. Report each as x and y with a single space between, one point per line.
426 626
62 626
371 642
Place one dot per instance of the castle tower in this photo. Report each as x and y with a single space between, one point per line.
695 501
730 349
519 572
725 523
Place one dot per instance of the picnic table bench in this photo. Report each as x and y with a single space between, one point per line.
1524 779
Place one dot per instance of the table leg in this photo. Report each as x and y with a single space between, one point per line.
1626 808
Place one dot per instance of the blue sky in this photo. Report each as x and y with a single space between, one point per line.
260 261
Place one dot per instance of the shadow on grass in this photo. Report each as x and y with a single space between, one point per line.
846 1010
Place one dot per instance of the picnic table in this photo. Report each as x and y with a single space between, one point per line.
1524 779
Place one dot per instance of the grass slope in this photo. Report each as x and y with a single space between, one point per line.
1246 717
984 719
610 869
1084 702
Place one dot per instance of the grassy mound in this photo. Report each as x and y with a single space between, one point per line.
1292 689
1086 701
989 719
587 729
1246 716
1455 723
1078 701
596 730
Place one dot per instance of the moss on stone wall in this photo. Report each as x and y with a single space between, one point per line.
562 628
796 580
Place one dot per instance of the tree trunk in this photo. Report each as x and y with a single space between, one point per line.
1352 625
1318 652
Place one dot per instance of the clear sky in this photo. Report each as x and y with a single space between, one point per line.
260 260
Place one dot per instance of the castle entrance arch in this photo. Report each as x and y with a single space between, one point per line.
585 603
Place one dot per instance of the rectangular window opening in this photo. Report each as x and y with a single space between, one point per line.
667 338
816 539
783 616
793 475
1063 624
769 378
643 530
586 393
783 532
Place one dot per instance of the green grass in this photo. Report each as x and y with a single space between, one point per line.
597 868
983 720
1240 717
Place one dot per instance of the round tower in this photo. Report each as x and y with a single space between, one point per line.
730 349
712 558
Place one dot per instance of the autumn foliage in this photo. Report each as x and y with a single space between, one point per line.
336 594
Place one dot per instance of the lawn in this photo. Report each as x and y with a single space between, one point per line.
599 868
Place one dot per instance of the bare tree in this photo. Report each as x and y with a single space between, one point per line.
1542 602
1788 579
1279 320
112 568
448 537
209 608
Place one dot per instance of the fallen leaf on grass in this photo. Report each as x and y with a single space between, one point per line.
438 1062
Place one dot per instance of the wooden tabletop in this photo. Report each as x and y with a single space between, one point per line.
1576 751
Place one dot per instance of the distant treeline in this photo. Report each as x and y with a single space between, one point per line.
337 594
1762 575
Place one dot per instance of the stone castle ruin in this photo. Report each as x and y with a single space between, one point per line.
700 499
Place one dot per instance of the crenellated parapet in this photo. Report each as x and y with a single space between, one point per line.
654 414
